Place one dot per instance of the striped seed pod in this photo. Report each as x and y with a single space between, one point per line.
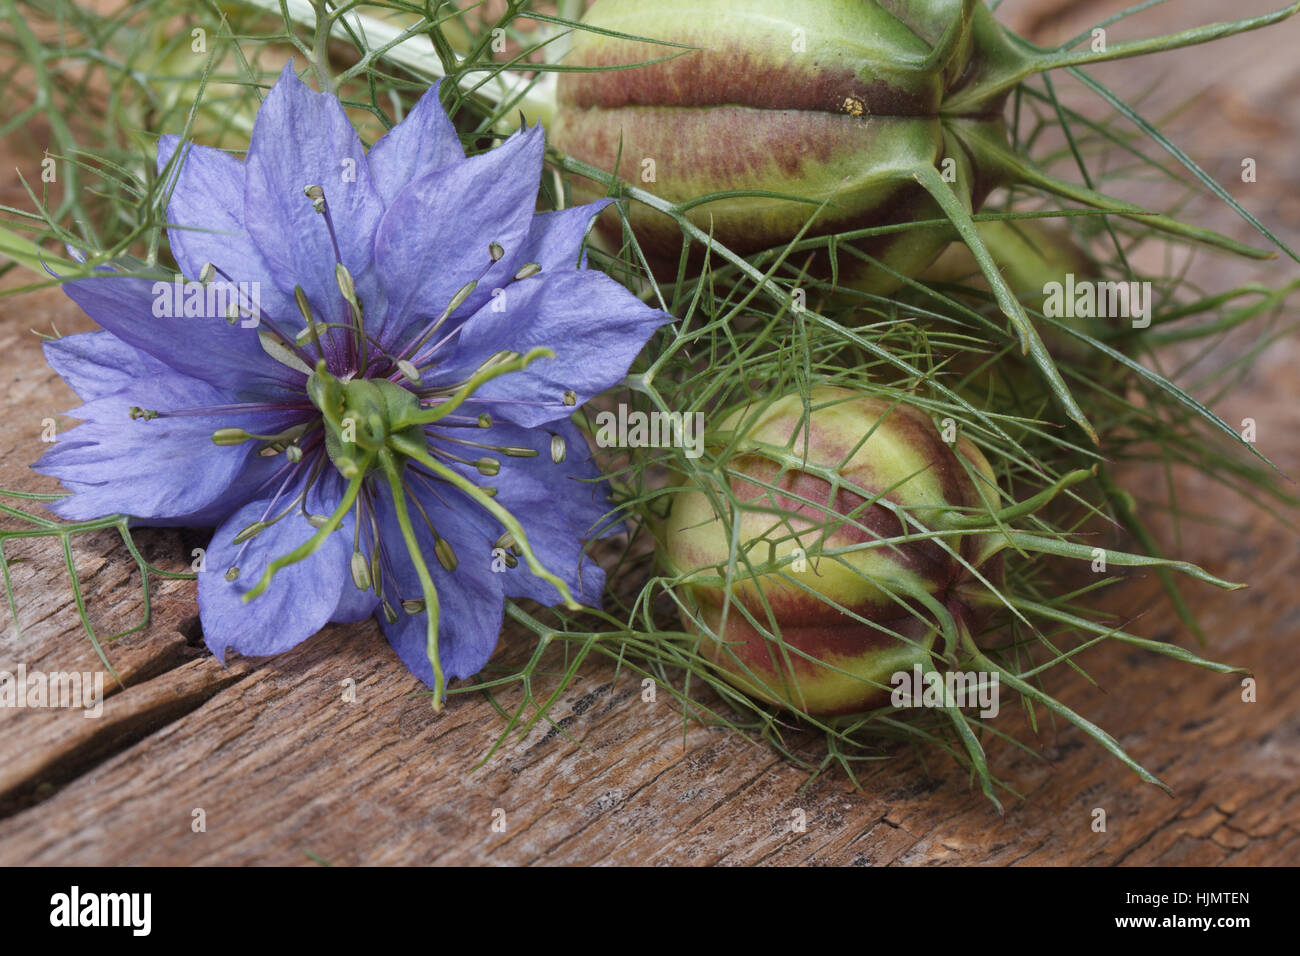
756 121
834 557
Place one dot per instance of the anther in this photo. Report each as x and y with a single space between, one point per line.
136 412
254 529
317 197
409 371
229 436
232 574
488 466
495 251
529 269
446 554
278 350
459 298
360 571
558 448
300 298
570 397
346 286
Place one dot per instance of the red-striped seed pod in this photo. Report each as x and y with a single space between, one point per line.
833 558
842 102
823 116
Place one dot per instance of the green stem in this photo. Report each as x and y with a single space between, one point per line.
1092 730
1156 647
975 751
1020 508
1040 61
320 49
1126 513
996 156
1066 549
960 217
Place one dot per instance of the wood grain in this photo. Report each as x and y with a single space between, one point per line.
286 771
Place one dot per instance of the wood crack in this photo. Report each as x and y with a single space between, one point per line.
71 745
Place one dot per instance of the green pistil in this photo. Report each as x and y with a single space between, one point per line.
374 424
501 364
312 544
392 470
417 452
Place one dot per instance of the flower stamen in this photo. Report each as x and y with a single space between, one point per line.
312 544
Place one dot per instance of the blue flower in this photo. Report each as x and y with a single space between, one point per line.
364 381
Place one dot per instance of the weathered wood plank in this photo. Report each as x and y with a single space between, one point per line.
287 771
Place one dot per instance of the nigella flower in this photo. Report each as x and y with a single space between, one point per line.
378 418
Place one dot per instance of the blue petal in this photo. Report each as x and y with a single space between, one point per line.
205 215
164 468
206 348
471 598
424 141
559 505
302 138
96 364
435 237
301 598
555 238
594 325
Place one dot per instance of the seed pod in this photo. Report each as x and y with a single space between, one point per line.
850 113
844 115
842 621
838 101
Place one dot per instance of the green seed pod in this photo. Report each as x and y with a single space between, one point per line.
823 505
831 101
836 98
824 115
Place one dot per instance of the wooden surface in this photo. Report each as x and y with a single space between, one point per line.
287 772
